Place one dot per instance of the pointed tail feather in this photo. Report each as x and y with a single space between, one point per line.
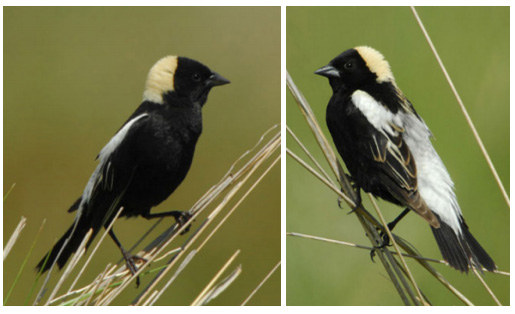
72 240
461 251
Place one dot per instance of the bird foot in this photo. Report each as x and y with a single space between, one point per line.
183 219
385 243
130 263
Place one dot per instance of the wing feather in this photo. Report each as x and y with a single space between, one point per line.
110 179
382 138
399 172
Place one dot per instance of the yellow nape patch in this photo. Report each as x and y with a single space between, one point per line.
160 79
376 63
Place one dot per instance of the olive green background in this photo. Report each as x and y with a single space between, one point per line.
473 43
72 76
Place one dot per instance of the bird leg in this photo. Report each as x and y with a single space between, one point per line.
392 224
128 257
384 235
181 217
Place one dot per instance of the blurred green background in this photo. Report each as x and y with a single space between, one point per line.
73 75
473 43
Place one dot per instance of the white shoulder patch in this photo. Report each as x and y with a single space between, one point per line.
160 79
376 63
381 118
103 156
118 138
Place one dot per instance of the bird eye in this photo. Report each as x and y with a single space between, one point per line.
196 77
349 65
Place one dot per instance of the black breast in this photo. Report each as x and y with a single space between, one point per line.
165 152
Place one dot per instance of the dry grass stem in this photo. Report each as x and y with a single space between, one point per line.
261 284
189 242
224 219
364 247
229 213
95 249
95 287
329 184
14 236
167 254
313 124
9 192
71 265
234 187
483 282
397 271
392 238
230 179
25 260
463 109
107 281
308 153
335 189
150 299
221 286
204 293
365 220
157 294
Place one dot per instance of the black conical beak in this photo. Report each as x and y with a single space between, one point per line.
328 71
216 79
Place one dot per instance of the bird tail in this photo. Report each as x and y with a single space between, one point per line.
66 246
463 250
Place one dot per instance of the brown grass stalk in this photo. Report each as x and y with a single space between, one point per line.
113 281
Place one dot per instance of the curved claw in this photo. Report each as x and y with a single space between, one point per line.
357 203
131 265
340 199
372 254
386 242
182 220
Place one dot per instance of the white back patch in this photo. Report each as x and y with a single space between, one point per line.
160 79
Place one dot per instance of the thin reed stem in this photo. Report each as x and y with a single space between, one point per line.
463 109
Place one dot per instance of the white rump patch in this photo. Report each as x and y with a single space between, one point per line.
434 182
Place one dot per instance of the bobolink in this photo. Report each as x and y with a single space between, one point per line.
386 147
147 159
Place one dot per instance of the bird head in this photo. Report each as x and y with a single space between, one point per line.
180 77
357 67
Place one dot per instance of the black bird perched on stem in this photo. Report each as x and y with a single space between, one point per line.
147 159
386 147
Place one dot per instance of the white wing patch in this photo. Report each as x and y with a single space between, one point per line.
117 138
381 118
103 157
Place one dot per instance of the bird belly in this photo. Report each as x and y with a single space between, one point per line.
156 179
